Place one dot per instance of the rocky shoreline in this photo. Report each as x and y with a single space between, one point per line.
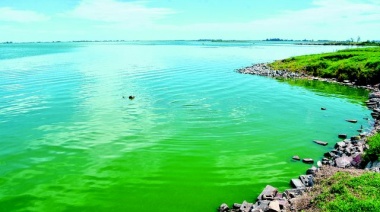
347 153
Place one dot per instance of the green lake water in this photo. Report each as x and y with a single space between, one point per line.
197 134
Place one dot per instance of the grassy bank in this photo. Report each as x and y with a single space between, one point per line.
360 65
343 190
350 193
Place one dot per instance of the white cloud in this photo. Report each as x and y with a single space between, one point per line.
114 19
340 19
21 16
130 13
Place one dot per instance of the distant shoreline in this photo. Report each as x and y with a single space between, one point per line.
271 40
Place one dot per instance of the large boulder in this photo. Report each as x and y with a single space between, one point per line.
343 162
246 206
268 193
297 183
274 206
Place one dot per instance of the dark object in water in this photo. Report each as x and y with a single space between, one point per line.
321 142
342 136
352 120
131 97
323 108
308 160
296 157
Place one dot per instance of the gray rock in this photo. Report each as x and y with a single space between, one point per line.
236 206
292 193
296 157
223 208
355 138
347 151
306 179
319 164
263 205
343 161
325 161
341 144
376 164
374 95
323 143
347 141
274 206
373 166
283 204
308 160
329 154
359 148
297 183
268 193
312 171
246 206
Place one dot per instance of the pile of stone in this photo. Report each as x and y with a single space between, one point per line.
272 200
347 153
373 103
262 69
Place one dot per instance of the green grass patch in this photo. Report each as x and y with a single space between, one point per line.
360 65
373 153
344 192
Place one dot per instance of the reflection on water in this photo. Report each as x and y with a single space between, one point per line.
331 89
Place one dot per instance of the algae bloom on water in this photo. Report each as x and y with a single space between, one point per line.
196 132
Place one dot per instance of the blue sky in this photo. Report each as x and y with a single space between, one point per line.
50 20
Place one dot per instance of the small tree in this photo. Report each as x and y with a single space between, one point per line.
358 39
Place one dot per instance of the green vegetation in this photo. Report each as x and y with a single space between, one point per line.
352 43
342 43
360 65
373 153
345 192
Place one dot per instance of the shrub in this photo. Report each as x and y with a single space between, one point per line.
373 152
